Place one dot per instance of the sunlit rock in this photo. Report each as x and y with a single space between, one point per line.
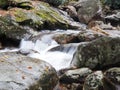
101 53
38 15
18 72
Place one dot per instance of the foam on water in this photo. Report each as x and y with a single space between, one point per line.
58 59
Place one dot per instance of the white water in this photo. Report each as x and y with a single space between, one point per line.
40 49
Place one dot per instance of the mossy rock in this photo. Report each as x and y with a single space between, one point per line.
8 3
101 53
40 16
10 29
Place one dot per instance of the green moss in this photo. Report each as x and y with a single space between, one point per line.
40 16
9 29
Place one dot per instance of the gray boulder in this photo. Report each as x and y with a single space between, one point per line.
18 72
87 9
98 54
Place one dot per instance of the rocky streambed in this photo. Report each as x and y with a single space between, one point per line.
59 45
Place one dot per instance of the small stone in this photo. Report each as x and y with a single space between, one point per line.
75 76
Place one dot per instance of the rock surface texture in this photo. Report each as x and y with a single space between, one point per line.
88 9
99 54
96 81
18 72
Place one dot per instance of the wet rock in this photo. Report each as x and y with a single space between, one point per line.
66 38
98 54
75 76
113 74
113 18
88 35
105 26
67 48
88 9
96 81
18 72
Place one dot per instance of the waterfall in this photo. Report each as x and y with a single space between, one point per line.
47 49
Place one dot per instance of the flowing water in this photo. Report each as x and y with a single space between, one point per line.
43 47
59 58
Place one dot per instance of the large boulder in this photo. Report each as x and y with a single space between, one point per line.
38 15
23 16
18 72
88 9
98 54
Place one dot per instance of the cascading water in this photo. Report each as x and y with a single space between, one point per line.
42 48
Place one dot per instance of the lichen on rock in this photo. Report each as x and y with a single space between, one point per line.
97 81
98 54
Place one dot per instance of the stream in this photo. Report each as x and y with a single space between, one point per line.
43 47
